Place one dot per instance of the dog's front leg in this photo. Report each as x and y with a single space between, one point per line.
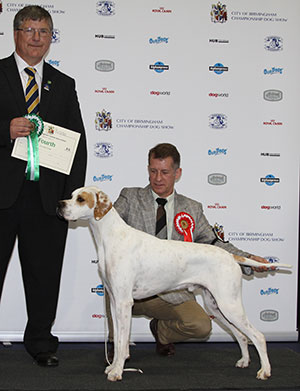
122 324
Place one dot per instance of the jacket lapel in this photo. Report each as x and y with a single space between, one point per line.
148 212
13 77
48 83
179 206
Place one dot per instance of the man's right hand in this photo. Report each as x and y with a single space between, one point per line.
20 127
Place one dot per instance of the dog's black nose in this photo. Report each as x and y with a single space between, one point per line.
59 209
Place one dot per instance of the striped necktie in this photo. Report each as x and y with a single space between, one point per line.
32 92
161 219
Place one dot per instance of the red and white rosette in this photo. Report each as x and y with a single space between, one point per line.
185 225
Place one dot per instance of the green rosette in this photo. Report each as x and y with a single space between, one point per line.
33 161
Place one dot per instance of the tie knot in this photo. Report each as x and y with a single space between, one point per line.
161 201
30 71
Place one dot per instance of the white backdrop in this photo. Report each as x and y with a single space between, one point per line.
234 128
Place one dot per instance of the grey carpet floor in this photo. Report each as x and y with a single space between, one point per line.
194 367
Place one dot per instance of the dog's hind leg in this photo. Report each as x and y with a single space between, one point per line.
214 311
232 310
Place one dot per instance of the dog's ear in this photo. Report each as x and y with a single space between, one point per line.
101 207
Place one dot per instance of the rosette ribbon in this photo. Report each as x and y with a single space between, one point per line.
33 161
184 225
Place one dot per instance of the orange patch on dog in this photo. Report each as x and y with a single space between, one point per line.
88 199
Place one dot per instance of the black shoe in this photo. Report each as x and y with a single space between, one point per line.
46 359
163 350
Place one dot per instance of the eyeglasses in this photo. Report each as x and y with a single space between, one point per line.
30 31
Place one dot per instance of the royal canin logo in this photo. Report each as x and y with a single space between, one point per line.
273 122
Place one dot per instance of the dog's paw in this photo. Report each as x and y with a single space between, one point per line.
114 376
108 369
263 374
242 363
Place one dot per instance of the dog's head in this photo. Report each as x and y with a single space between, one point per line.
86 203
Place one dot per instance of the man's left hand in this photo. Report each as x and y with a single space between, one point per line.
261 260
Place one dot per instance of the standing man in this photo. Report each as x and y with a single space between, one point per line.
28 207
176 315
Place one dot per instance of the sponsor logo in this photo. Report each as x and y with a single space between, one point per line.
216 40
159 40
217 151
269 291
105 36
95 261
160 93
269 315
254 237
218 13
273 95
104 90
270 207
273 123
217 121
103 120
218 68
54 62
273 43
218 95
269 180
102 178
105 8
273 71
152 124
272 259
217 206
159 67
253 16
162 10
103 149
98 316
217 179
55 36
99 290
104 65
270 154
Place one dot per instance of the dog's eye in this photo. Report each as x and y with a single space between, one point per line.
80 199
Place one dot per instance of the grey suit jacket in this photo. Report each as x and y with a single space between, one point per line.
136 207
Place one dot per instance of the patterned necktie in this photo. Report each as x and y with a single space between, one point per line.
32 92
161 219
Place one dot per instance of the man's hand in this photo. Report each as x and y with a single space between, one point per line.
20 127
261 260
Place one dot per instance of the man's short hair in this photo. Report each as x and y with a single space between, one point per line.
32 12
164 150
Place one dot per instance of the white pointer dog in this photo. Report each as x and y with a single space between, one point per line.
129 259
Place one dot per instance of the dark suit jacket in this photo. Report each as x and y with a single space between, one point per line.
59 106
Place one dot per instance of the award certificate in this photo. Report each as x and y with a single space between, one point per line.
57 148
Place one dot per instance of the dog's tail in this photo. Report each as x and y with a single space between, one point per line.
251 262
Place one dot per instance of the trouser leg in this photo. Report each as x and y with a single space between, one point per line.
41 241
8 232
176 323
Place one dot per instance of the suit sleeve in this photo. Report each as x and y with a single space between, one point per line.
204 233
77 175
